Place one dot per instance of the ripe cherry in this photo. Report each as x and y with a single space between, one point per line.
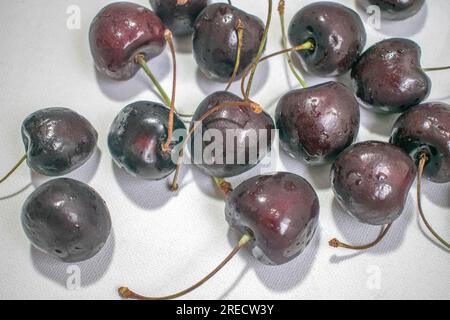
119 33
215 42
395 9
371 181
179 15
277 216
338 35
66 219
424 133
57 141
317 123
388 77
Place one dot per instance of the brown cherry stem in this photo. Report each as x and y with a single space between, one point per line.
128 294
335 243
13 169
169 38
260 51
223 185
422 163
250 104
240 35
281 11
309 45
436 69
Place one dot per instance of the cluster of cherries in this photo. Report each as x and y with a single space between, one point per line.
277 214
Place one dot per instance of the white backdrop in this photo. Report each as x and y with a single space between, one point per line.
163 242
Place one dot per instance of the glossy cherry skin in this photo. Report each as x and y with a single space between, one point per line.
66 219
337 32
281 211
388 77
57 141
215 41
179 16
119 32
371 181
317 123
136 138
426 129
240 121
395 9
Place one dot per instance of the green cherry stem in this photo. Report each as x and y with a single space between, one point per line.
126 293
140 59
13 169
240 35
260 51
281 11
436 69
223 185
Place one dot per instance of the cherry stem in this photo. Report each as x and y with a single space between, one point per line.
140 59
335 243
182 2
241 104
169 39
422 163
260 51
126 293
281 10
229 2
436 69
240 35
223 185
309 45
22 160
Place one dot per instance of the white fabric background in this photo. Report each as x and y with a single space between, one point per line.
163 242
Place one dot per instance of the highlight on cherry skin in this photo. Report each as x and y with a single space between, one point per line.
57 141
253 134
67 220
137 137
276 215
395 9
388 77
317 123
119 33
179 15
215 43
371 181
338 34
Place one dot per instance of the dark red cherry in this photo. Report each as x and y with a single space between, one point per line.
337 32
215 41
66 219
395 9
120 32
57 141
317 123
280 211
425 129
388 78
179 15
136 140
251 143
371 181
